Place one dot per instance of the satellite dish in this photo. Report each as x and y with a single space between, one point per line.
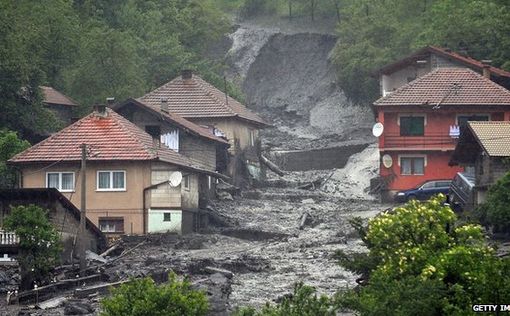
387 161
175 179
377 129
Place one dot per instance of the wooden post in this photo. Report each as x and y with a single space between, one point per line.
83 210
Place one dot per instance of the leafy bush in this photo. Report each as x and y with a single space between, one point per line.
303 301
496 209
142 297
421 263
39 245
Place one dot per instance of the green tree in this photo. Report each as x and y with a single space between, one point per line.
39 243
28 58
421 261
495 211
142 297
374 33
303 301
10 145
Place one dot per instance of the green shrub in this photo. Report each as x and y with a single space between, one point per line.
39 245
421 263
303 301
496 209
142 297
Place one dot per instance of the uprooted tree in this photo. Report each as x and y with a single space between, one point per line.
421 262
39 243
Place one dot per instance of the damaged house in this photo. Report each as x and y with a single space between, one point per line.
194 99
484 149
134 185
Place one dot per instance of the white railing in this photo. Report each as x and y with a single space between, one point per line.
8 238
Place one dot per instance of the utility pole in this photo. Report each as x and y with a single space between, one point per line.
83 210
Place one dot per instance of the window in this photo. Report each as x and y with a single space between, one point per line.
167 217
62 181
429 185
464 118
171 140
252 137
111 224
111 180
412 125
443 184
185 182
412 165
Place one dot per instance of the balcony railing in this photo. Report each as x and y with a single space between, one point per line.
8 238
440 141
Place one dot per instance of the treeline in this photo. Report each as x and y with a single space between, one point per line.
372 33
93 49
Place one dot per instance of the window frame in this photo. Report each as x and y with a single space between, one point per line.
59 188
118 219
111 188
186 182
424 157
169 216
472 114
424 116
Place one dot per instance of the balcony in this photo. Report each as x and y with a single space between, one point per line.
427 142
8 239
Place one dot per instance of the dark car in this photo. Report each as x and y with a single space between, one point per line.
424 191
461 191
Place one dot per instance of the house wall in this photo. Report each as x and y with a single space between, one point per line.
393 81
436 167
127 204
199 150
190 196
236 131
489 170
401 77
164 195
158 225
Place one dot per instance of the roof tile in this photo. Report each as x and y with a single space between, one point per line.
196 98
108 138
448 86
493 136
52 96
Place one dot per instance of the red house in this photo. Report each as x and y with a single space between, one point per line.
422 121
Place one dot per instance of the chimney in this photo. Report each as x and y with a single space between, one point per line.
164 105
486 68
100 110
186 74
110 101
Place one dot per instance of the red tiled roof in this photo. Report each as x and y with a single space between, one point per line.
196 98
53 96
108 138
448 86
177 120
465 60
